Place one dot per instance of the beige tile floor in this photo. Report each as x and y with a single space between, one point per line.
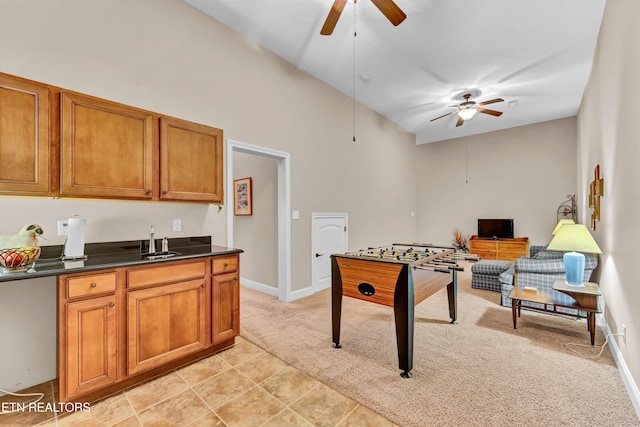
240 386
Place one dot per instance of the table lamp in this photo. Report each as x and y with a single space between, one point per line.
575 238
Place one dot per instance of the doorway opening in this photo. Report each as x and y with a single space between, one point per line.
284 205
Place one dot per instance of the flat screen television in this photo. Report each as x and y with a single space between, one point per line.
495 228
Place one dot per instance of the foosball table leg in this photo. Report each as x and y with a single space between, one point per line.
403 309
336 302
452 294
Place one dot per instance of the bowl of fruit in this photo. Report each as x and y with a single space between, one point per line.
18 259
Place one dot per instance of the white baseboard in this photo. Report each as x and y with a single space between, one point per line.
260 287
300 293
270 290
625 373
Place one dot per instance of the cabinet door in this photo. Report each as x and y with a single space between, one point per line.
190 161
90 346
226 307
24 137
165 323
107 149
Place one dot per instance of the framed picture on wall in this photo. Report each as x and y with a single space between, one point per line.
242 197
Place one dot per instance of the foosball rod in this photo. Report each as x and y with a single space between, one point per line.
439 269
467 257
441 263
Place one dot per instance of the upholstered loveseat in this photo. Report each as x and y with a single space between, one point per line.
540 270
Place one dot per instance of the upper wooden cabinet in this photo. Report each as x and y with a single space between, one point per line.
190 161
55 142
25 143
106 150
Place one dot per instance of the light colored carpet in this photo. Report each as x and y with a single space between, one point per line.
478 372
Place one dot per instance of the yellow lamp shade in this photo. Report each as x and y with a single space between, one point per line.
574 237
560 224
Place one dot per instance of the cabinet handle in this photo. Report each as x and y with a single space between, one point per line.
112 304
203 285
164 192
147 192
93 285
226 264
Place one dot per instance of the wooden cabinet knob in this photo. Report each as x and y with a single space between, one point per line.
112 304
147 192
164 192
93 285
226 264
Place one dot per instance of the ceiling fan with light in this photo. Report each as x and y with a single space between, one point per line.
388 8
468 109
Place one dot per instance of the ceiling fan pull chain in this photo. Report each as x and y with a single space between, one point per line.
353 95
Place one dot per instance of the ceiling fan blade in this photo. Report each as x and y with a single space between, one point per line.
390 10
332 18
492 112
460 122
444 115
493 101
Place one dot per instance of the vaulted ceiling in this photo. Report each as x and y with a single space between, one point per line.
535 55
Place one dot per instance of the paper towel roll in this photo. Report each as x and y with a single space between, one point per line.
74 247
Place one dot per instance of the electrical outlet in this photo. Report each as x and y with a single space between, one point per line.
177 225
63 227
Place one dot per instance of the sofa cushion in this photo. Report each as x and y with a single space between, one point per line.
548 255
490 267
506 277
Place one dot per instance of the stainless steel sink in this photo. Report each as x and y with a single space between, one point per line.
160 255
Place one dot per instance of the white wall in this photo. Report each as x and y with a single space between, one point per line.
28 333
609 135
257 234
523 173
167 57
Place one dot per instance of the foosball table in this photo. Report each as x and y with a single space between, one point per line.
399 276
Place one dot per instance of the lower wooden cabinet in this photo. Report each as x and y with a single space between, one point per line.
164 323
89 345
121 326
226 307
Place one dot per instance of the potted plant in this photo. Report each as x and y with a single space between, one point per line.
460 241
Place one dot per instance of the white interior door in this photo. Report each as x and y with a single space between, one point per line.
329 236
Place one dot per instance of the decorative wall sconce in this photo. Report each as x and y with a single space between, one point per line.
568 209
596 190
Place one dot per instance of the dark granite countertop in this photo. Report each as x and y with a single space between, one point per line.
101 256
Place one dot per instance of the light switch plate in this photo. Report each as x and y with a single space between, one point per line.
295 215
177 225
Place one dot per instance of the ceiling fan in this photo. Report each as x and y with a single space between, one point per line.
468 109
387 7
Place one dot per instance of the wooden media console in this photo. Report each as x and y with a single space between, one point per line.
502 249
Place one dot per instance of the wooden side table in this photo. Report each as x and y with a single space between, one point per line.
586 298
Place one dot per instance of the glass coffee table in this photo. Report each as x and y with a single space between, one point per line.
585 297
